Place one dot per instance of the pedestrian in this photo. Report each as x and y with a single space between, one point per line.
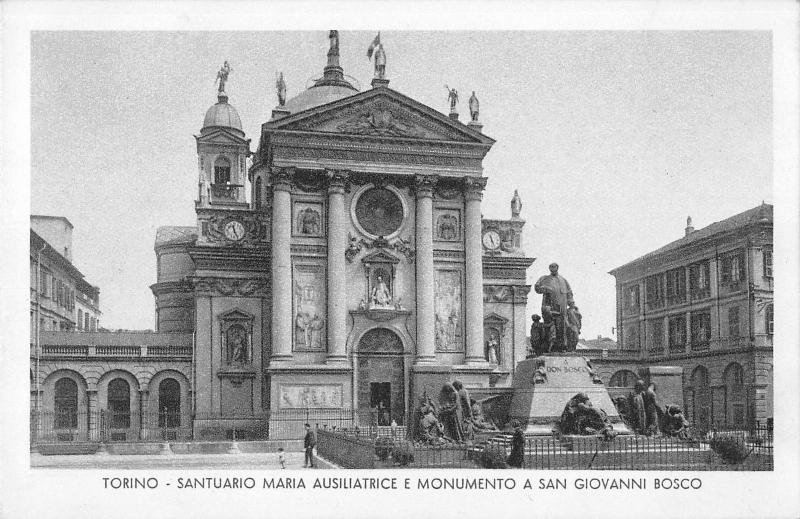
281 458
309 442
517 456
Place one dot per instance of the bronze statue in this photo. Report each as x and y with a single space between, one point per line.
450 413
280 86
333 36
479 420
582 418
222 76
556 301
652 411
540 337
452 97
474 107
675 423
637 408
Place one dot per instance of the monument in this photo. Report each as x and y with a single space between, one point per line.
555 389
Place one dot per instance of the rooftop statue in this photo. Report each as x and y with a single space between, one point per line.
516 205
474 107
222 76
376 48
452 97
280 86
334 37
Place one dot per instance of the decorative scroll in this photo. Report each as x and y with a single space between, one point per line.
356 245
447 303
232 287
299 396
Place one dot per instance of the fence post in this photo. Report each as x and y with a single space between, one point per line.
234 446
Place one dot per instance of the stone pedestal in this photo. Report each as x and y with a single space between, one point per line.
543 386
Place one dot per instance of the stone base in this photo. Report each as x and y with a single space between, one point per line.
542 387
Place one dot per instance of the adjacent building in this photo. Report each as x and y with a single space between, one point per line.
705 303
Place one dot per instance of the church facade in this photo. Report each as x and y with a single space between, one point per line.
349 266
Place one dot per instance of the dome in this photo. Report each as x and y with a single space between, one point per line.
222 115
317 95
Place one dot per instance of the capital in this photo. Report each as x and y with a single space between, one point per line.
425 184
337 180
473 187
282 179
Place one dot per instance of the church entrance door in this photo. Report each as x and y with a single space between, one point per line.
381 376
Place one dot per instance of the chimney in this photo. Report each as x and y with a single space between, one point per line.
689 228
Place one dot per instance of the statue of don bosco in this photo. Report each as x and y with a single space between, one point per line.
561 317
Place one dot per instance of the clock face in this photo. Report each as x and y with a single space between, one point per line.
491 240
234 230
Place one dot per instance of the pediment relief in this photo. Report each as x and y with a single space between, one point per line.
380 256
221 136
235 315
386 114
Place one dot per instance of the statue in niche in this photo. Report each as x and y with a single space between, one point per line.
237 345
381 296
492 346
308 221
582 418
448 227
557 300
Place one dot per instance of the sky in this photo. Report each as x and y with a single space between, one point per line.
612 138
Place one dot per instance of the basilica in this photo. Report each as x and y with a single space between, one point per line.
349 266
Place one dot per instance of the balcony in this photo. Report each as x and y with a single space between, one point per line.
75 351
225 192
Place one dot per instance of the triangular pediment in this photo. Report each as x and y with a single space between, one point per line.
236 314
380 256
221 136
494 318
380 112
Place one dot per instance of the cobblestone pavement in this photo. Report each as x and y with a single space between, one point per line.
252 461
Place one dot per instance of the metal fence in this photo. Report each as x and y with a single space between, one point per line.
717 450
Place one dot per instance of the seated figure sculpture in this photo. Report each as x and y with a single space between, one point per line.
479 421
450 414
581 418
430 430
675 423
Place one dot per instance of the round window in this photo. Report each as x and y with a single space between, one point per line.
379 212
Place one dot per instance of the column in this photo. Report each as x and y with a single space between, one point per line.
337 277
426 351
281 265
473 256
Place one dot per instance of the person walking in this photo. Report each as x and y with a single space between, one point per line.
309 442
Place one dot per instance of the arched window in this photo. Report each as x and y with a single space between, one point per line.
623 378
735 405
66 404
119 403
257 195
169 403
222 171
700 398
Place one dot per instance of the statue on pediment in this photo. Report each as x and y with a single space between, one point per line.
516 205
452 97
474 107
280 86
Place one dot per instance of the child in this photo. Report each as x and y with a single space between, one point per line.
281 458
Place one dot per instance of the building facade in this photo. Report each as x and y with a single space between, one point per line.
705 303
342 265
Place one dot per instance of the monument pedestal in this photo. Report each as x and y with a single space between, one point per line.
543 386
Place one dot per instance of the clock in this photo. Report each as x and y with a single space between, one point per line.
491 240
234 230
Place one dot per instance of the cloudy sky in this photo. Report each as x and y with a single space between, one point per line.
611 138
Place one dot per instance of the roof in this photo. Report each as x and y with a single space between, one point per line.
761 214
222 115
40 244
316 96
47 217
171 234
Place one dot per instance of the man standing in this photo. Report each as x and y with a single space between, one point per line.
309 442
556 300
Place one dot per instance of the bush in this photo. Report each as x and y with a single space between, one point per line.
403 453
730 448
383 446
493 457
